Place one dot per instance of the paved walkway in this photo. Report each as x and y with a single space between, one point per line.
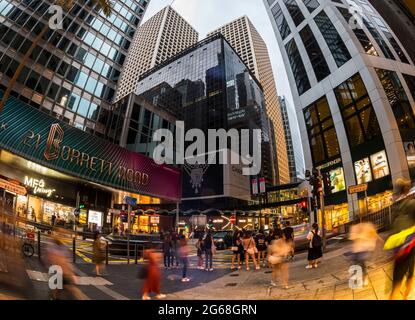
330 281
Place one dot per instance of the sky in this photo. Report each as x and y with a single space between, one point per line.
207 15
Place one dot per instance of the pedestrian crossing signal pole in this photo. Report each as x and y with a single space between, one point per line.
320 194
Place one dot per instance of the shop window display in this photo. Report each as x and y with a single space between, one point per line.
379 165
337 180
363 172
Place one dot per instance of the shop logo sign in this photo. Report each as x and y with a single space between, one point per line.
38 186
53 143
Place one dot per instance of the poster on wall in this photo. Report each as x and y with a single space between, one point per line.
337 180
380 165
362 169
95 217
254 183
410 156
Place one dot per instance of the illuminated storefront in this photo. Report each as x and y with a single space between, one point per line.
70 173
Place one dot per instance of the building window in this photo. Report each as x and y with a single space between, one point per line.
391 40
335 43
320 67
360 34
294 11
311 5
321 132
358 115
280 21
397 98
410 81
379 40
297 67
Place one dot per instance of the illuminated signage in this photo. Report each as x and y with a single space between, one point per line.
218 221
95 217
155 220
56 145
38 186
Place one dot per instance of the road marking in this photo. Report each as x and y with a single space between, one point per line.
79 280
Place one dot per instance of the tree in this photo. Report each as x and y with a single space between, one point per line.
104 5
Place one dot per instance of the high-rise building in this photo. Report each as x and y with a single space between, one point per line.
48 165
159 38
292 134
354 91
72 74
248 43
207 86
400 16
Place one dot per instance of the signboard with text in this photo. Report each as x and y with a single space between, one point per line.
358 188
52 143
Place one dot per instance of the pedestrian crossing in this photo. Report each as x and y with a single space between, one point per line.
79 280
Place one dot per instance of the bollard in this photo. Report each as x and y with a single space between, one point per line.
106 253
38 244
128 248
135 253
74 249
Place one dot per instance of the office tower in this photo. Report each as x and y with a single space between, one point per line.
292 134
400 17
353 86
208 87
161 37
248 43
73 72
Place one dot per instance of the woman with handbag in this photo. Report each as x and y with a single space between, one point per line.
250 250
237 250
278 251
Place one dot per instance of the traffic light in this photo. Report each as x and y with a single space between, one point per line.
328 188
303 206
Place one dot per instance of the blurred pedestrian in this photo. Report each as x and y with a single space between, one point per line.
153 275
209 246
315 251
402 242
364 237
53 219
250 250
167 249
260 243
175 250
98 254
58 255
184 260
278 234
237 250
200 252
288 233
278 251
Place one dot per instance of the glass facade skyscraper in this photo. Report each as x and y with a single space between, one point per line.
208 87
72 74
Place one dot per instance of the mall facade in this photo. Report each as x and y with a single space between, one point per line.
353 86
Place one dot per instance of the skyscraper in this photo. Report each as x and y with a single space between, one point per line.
161 37
248 43
400 16
354 88
294 150
208 87
73 72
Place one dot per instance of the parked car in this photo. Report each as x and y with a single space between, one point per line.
223 239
